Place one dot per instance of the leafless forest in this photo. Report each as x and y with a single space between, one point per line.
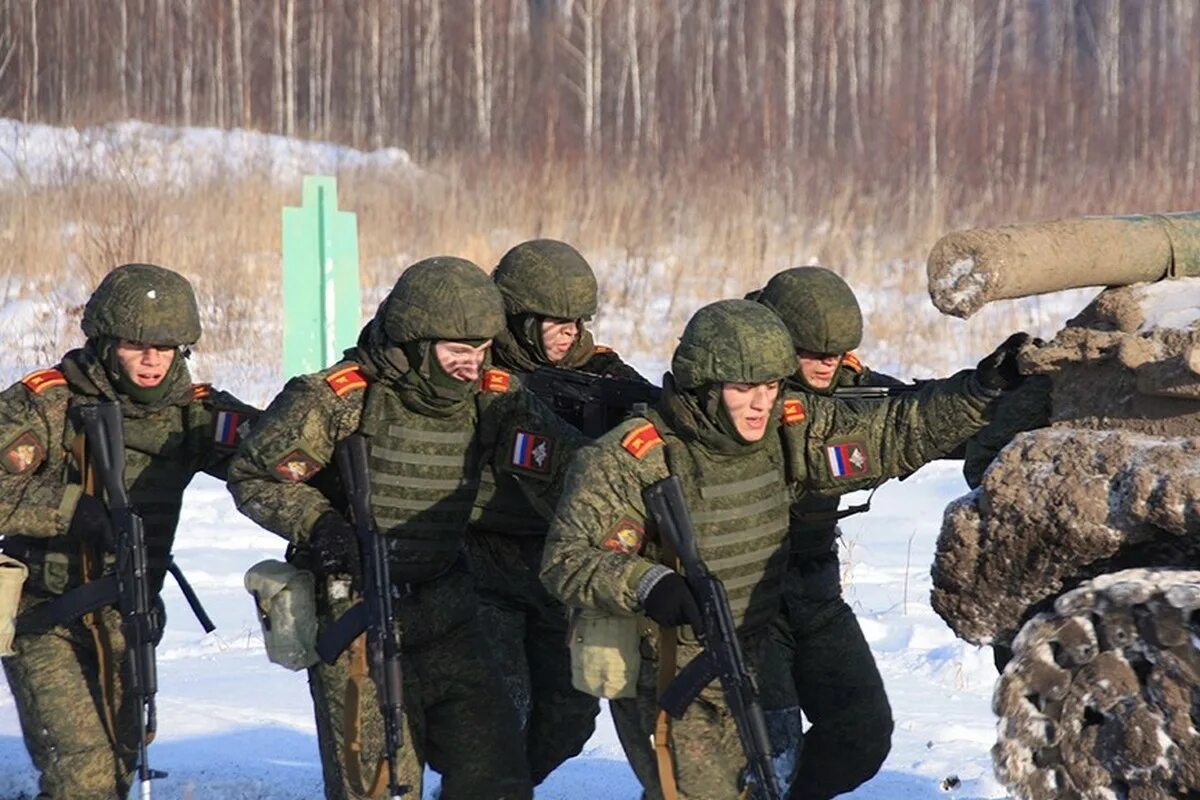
981 93
760 132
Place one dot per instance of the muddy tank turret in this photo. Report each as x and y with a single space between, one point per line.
1080 549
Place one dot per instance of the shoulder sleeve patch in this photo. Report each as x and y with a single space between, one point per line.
851 361
495 380
627 537
793 411
641 440
43 379
228 427
201 390
23 453
296 466
346 380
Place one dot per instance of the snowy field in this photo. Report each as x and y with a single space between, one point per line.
234 726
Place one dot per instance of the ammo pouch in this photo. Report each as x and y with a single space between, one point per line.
605 653
285 599
12 578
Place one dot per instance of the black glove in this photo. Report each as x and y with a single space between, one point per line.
998 369
334 547
671 603
91 523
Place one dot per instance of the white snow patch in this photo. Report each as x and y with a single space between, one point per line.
1171 304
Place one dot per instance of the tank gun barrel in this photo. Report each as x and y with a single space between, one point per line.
969 268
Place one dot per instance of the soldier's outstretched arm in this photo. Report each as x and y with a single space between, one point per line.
35 500
841 447
225 421
290 443
597 553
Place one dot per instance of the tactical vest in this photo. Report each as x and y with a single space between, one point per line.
161 456
738 505
424 476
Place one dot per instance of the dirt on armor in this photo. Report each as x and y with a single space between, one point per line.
1075 548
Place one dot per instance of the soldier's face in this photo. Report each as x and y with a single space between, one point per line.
460 360
145 364
749 407
557 337
818 369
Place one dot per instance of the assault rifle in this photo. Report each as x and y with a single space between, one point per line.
374 614
104 428
722 657
593 403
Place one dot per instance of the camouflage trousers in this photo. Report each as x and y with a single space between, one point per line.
456 717
56 681
706 754
836 682
528 633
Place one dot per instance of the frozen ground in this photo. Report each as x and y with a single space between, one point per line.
233 726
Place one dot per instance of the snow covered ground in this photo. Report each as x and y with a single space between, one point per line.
232 725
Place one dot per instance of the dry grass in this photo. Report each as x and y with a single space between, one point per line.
686 236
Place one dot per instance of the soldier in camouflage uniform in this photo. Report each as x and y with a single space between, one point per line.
834 676
434 419
66 674
549 292
740 447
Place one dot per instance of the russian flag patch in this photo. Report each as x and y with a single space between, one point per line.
848 459
532 452
226 431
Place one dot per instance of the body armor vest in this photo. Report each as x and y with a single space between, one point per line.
424 476
738 505
161 456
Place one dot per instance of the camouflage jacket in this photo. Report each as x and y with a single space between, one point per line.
279 478
813 522
196 429
501 507
600 547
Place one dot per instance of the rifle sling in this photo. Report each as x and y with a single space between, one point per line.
93 596
343 631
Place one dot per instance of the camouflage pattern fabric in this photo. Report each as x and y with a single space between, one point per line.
442 298
452 720
282 480
819 308
54 676
732 341
55 681
527 627
548 278
599 546
143 303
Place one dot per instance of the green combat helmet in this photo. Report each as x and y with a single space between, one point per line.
732 341
818 308
143 303
442 298
547 278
